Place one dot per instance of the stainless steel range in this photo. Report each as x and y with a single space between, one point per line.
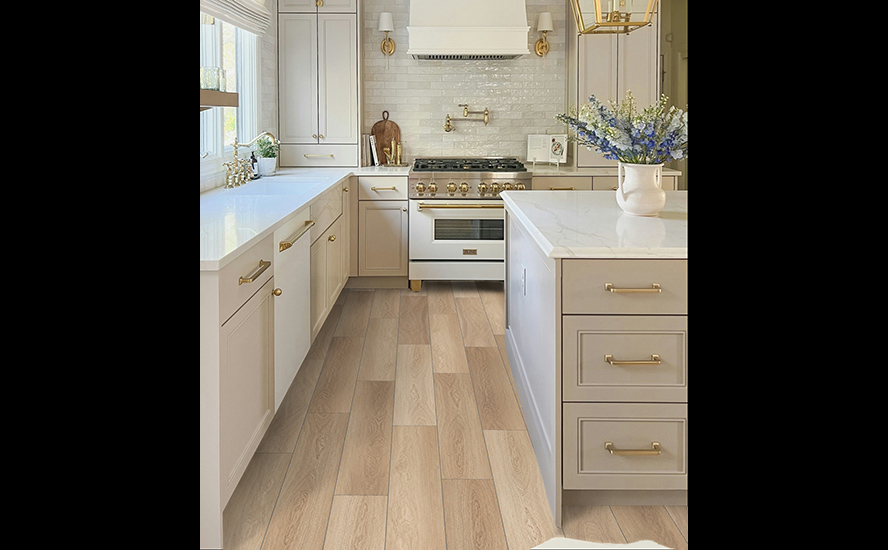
457 220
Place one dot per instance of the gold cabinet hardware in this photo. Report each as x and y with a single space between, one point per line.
655 360
656 450
321 136
263 266
404 209
345 190
655 289
392 188
562 189
457 206
332 238
314 136
319 3
278 292
288 244
317 156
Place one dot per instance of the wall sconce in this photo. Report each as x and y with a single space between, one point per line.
386 25
544 25
612 16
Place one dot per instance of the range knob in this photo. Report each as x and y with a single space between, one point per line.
495 188
507 187
451 188
464 188
520 187
420 188
433 187
482 188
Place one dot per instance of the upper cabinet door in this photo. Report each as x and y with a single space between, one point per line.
298 74
338 78
318 6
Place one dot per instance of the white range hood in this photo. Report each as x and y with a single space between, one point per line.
467 29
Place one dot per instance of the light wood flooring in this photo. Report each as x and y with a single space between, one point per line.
402 430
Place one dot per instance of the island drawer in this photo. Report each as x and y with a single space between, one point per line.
634 287
383 188
240 279
625 446
324 211
625 358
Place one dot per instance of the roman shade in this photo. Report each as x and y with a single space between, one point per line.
249 15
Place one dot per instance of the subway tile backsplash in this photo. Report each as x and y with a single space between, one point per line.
523 95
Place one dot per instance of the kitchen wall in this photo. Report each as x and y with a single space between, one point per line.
523 95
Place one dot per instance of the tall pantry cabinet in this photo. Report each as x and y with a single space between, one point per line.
319 82
610 64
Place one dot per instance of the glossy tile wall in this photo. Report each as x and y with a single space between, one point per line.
523 95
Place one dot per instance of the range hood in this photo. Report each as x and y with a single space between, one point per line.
467 29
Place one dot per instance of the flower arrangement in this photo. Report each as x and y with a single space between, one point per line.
654 136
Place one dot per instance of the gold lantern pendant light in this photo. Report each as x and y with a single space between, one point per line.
612 16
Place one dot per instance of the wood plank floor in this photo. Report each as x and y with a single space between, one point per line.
402 430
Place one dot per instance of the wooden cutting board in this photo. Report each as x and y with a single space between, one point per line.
385 131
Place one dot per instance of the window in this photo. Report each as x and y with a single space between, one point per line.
236 52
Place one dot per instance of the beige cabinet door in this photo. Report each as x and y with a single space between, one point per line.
383 238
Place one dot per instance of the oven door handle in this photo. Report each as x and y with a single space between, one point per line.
460 206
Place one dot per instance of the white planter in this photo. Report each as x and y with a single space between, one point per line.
640 191
267 166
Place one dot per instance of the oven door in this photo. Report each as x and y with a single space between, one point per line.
457 230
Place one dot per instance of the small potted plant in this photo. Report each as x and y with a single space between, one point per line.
267 151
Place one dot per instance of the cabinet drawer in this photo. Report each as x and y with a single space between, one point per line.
629 463
609 183
555 183
625 358
383 187
233 289
325 209
319 155
633 281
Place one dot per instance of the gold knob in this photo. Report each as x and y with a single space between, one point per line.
321 135
314 136
420 188
319 3
346 190
451 187
277 292
464 187
404 209
332 238
482 188
433 187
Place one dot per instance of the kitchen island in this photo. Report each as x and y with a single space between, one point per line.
596 332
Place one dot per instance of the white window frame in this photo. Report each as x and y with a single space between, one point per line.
212 121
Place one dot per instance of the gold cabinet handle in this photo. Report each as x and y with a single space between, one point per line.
655 289
392 188
455 206
562 189
345 190
278 292
332 238
655 360
314 136
263 266
288 244
317 156
656 450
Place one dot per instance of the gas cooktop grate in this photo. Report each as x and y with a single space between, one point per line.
469 165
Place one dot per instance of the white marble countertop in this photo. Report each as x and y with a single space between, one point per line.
233 220
590 224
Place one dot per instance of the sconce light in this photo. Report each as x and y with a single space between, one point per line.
386 25
544 25
612 16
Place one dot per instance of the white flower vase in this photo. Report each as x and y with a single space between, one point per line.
640 191
267 166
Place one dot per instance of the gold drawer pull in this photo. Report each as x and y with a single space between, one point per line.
263 266
392 188
656 450
317 156
655 360
655 289
562 189
288 244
